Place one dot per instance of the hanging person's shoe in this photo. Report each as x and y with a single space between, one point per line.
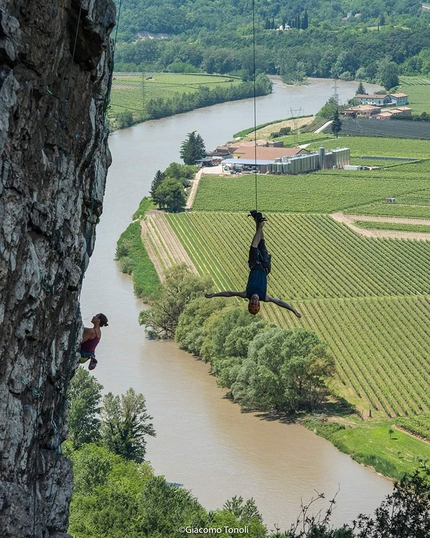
259 218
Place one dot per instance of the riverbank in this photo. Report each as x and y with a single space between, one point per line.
202 440
136 99
369 442
375 443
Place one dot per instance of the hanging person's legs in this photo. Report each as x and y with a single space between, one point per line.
258 252
254 252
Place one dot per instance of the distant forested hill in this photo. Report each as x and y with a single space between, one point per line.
179 16
349 39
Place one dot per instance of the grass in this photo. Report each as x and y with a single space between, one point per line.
133 258
378 146
319 192
412 205
390 451
416 228
133 91
418 90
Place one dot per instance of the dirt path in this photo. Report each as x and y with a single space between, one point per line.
145 236
162 244
216 170
193 191
350 219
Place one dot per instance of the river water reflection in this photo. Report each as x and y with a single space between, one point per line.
203 441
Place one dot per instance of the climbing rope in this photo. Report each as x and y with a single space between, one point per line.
255 106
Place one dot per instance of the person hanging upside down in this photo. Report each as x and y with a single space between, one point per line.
260 266
91 339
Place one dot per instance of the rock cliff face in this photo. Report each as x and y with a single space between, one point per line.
55 71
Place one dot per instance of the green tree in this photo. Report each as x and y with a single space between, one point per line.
192 148
156 182
305 20
191 332
181 172
403 514
219 326
390 76
170 195
84 395
125 425
179 288
361 90
124 119
106 495
336 125
286 370
328 110
167 507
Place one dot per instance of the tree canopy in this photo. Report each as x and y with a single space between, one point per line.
167 188
180 287
322 41
192 148
121 423
336 124
125 425
85 397
286 370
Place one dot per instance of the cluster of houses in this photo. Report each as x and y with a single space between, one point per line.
270 157
372 106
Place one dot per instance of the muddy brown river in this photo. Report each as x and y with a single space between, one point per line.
203 441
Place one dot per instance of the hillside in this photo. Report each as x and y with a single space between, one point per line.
346 39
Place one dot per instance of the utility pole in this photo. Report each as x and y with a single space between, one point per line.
294 114
143 91
336 95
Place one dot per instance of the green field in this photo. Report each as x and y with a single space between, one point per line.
368 298
380 444
132 91
412 205
418 90
319 192
369 225
419 425
378 146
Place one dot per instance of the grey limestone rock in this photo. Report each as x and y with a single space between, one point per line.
55 74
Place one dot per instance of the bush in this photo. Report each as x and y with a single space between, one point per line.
124 119
127 265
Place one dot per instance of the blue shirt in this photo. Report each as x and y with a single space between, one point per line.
257 284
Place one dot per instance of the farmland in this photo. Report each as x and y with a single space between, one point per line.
418 90
368 298
419 426
132 91
378 146
417 228
319 192
412 205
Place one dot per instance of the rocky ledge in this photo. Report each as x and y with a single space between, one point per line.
55 75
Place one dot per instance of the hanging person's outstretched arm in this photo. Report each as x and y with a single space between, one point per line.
226 294
282 304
